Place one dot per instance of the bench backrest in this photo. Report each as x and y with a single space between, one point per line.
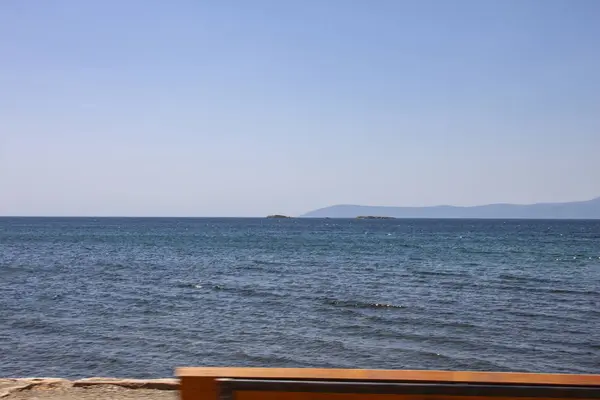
333 384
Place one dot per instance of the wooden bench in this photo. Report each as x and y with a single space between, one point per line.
336 384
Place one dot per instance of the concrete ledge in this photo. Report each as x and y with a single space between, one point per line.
8 386
156 384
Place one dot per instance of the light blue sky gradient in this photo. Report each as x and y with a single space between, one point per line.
246 108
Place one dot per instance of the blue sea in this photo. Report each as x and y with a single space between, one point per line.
133 297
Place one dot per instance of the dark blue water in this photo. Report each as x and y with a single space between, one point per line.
138 297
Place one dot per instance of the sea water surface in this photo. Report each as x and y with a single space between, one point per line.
138 297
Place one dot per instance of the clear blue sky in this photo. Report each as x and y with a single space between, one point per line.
246 108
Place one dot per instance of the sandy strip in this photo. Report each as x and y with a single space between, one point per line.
88 389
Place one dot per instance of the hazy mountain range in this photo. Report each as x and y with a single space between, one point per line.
573 210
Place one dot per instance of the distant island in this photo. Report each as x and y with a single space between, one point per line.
589 209
373 217
278 216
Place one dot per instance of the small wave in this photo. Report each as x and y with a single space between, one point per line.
555 290
438 273
110 265
249 291
521 278
545 316
265 262
360 304
452 284
471 264
189 285
586 235
260 266
269 359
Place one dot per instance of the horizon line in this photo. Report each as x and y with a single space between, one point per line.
296 217
318 209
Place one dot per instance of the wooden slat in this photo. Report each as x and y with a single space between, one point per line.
229 387
391 375
353 396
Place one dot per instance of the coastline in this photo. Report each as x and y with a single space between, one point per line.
94 388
